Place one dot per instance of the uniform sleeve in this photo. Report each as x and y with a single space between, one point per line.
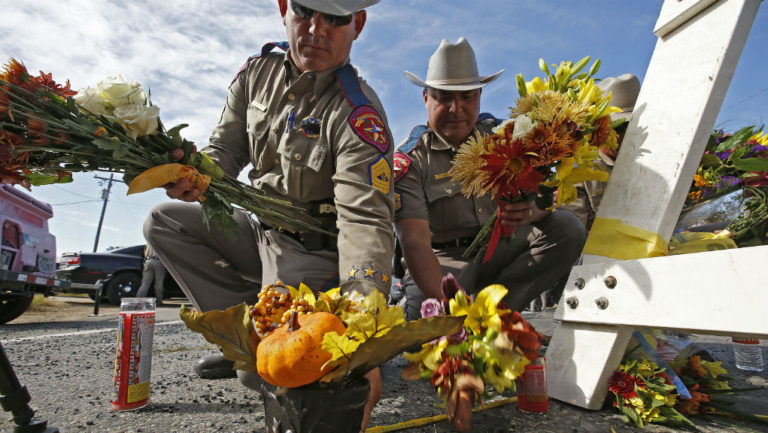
365 208
228 144
409 189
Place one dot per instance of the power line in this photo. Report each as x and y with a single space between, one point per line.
75 202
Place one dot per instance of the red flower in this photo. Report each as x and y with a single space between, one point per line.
522 333
47 81
623 384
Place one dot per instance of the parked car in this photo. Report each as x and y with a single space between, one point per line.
118 269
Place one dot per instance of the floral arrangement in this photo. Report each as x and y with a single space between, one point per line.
48 131
733 162
492 348
646 393
371 333
730 162
550 142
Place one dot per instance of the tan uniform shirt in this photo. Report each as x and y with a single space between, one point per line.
299 132
425 191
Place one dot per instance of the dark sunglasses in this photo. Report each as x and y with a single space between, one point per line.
307 13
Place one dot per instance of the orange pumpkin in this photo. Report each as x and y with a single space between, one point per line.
292 355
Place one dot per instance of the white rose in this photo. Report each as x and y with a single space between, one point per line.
92 100
501 126
523 124
137 119
118 92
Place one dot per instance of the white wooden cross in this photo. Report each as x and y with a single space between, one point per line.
723 292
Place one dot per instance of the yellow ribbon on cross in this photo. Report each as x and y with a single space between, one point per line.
169 173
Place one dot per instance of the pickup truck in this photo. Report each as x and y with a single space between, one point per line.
119 271
27 252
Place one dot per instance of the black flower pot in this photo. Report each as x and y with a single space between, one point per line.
315 408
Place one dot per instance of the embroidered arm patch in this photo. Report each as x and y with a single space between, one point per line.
368 125
401 163
380 175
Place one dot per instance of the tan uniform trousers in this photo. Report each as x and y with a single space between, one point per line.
216 271
536 259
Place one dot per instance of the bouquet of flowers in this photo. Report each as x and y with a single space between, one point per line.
355 334
550 142
48 131
646 393
730 162
492 348
733 162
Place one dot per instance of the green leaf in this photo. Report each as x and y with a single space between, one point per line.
230 329
39 179
751 164
379 350
106 144
736 139
708 160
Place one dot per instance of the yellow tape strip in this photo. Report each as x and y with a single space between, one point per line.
433 419
612 238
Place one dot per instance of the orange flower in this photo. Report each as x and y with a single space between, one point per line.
47 81
602 131
5 103
36 131
14 72
521 333
8 142
100 131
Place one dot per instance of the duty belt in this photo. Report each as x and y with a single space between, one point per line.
455 243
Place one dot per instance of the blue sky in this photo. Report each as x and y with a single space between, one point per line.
187 51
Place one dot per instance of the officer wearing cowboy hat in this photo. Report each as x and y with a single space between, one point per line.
435 222
313 133
624 90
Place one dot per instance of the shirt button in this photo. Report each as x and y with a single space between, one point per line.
449 191
297 156
480 210
291 96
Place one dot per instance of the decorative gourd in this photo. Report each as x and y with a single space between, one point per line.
292 355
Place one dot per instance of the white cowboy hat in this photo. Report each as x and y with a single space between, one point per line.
453 67
624 90
337 7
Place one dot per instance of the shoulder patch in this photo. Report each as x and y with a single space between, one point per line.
401 162
369 126
412 141
380 175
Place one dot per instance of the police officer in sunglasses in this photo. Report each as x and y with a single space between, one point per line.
312 132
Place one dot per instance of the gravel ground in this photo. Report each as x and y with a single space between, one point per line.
65 359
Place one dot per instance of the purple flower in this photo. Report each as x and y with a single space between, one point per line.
758 148
432 307
723 155
458 337
728 181
450 286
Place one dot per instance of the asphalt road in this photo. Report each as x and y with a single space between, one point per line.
66 359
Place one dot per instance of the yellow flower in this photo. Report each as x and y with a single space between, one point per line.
431 355
536 85
760 138
483 314
646 368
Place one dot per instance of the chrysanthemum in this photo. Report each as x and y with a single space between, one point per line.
623 384
14 72
36 131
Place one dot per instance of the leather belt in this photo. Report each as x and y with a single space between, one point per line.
456 243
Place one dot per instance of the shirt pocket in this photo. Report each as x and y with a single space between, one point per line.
443 188
299 152
257 125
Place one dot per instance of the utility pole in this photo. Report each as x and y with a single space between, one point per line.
105 197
